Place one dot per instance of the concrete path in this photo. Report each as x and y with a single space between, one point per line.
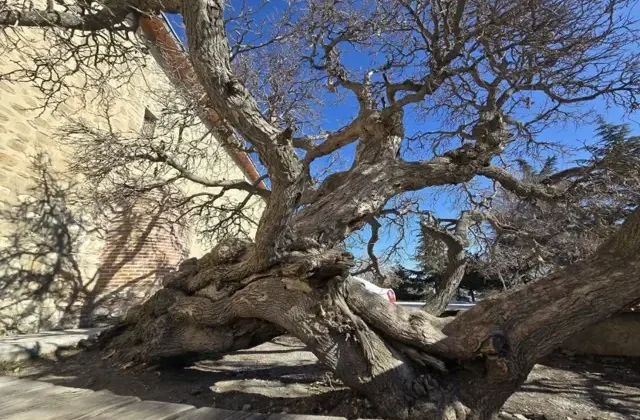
22 399
20 347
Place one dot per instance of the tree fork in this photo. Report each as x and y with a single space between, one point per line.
308 295
389 354
409 363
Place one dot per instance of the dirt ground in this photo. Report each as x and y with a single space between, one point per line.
280 376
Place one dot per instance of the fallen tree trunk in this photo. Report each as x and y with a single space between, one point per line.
207 310
409 363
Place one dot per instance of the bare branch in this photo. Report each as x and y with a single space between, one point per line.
375 229
238 184
332 141
209 50
456 241
557 314
523 189
102 19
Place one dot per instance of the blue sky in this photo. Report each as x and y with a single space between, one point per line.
572 135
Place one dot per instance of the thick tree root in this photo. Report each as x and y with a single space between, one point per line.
162 332
216 305
191 317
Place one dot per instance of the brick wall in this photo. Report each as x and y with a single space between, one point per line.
140 248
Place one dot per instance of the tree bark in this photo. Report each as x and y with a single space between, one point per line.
448 284
409 363
207 310
456 242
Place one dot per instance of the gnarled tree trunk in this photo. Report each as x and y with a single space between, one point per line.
209 307
409 363
293 278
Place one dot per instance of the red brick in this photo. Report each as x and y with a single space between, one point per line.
137 254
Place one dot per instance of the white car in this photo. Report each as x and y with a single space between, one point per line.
388 294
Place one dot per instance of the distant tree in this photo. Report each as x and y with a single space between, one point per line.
530 239
411 285
523 240
431 253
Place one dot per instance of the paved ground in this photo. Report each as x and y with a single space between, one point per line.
20 347
281 377
22 399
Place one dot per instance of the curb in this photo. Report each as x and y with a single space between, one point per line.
14 348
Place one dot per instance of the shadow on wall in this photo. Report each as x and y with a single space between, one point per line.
141 248
51 273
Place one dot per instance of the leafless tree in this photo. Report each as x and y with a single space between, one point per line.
493 74
517 241
175 160
529 239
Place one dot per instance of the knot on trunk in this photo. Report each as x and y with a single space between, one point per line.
194 274
318 265
229 251
495 344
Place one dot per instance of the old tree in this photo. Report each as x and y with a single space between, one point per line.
488 76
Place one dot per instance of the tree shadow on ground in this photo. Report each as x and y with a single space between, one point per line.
256 385
275 377
602 381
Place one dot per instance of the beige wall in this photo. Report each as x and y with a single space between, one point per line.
618 335
25 131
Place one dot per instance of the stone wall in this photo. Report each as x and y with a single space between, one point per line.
97 267
618 335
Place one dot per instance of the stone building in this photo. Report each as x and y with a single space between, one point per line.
60 266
